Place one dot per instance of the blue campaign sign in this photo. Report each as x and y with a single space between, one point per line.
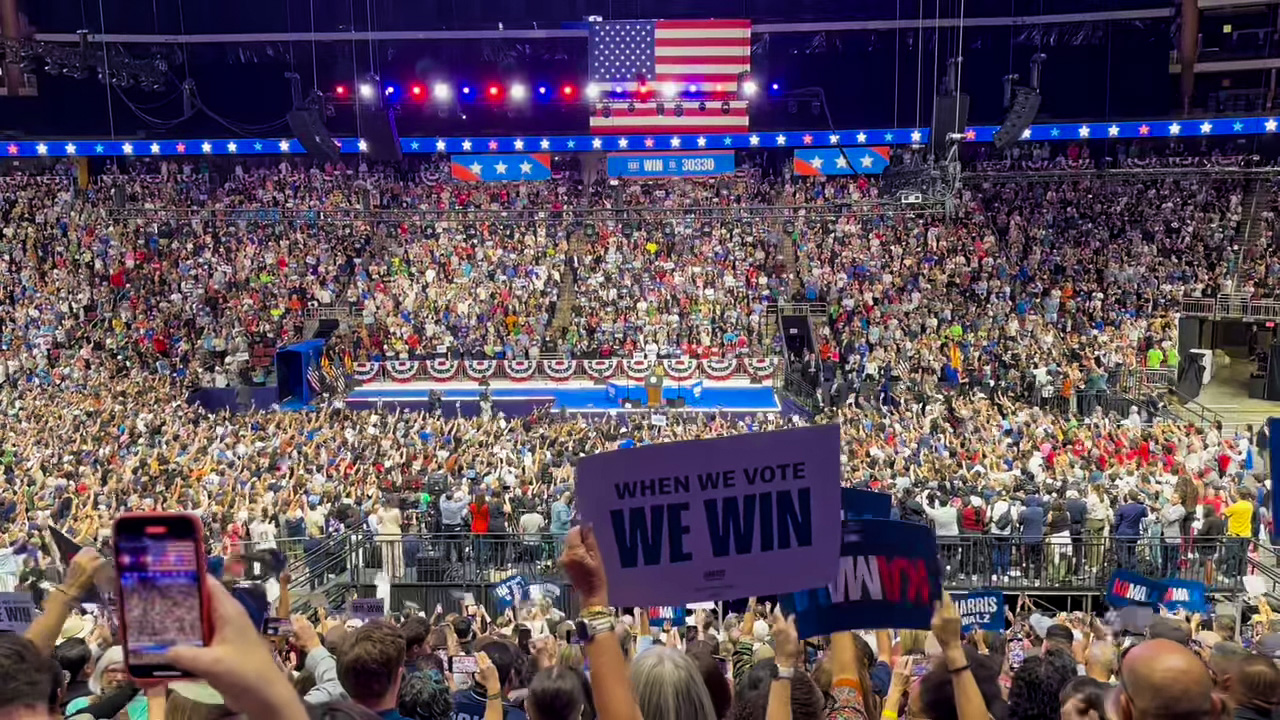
980 609
841 161
887 577
670 164
1129 588
1273 430
509 591
1185 595
501 168
857 504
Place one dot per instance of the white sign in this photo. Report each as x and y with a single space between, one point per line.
368 608
17 610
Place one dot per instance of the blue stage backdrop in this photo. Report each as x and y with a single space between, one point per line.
292 364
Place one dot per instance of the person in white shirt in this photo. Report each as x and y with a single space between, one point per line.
263 533
1000 524
388 519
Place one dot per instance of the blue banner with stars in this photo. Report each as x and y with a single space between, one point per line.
842 161
501 168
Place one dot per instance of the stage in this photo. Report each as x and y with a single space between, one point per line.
517 398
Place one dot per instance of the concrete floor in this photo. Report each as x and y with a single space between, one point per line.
1228 395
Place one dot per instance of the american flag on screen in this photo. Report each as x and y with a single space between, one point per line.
669 53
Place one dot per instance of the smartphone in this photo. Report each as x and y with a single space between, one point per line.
160 564
463 665
690 633
277 627
1016 653
723 664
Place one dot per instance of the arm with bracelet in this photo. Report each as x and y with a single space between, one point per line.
948 631
789 653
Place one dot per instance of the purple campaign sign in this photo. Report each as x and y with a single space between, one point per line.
729 517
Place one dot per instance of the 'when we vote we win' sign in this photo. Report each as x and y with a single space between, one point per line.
703 520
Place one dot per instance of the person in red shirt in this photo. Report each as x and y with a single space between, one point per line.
480 527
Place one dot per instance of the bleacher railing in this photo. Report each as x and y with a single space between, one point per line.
1231 305
675 370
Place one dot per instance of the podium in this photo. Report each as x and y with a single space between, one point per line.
653 386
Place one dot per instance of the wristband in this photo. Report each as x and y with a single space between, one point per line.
785 673
64 591
960 669
494 696
888 715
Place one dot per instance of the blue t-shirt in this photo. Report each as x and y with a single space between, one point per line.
469 705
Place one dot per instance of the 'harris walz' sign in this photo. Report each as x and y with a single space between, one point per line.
695 521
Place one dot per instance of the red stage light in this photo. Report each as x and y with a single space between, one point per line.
567 90
494 90
416 90
340 90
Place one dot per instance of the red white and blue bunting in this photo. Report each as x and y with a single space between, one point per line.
364 372
600 369
760 368
719 368
401 370
519 369
560 369
680 369
443 369
637 368
480 369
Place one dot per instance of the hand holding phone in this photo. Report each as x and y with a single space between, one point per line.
463 665
277 627
160 562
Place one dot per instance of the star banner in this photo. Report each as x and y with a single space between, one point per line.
842 161
501 168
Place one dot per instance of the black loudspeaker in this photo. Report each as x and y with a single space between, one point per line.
325 328
1022 112
950 115
308 127
378 130
675 402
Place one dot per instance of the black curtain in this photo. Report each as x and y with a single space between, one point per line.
1191 375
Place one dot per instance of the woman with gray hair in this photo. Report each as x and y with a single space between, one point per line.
668 686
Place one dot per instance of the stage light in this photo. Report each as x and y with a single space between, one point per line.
340 91
679 109
366 91
725 108
390 89
440 91
631 107
494 90
606 112
567 91
617 89
661 108
416 91
702 107
542 89
518 91
749 88
693 88
466 90
774 86
669 90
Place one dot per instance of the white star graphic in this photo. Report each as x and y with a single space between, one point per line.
257 146
545 144
98 148
816 162
466 145
364 146
440 145
755 139
526 167
596 143
915 136
835 139
781 139
888 137
1270 125
1113 131
867 161
1083 131
155 148
728 140
519 144
862 137
675 142
1238 126
475 168
1206 127
284 145
127 149
1174 129
702 142
205 147
71 148
1026 133
42 148
501 168
572 143
841 162
622 142
231 147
